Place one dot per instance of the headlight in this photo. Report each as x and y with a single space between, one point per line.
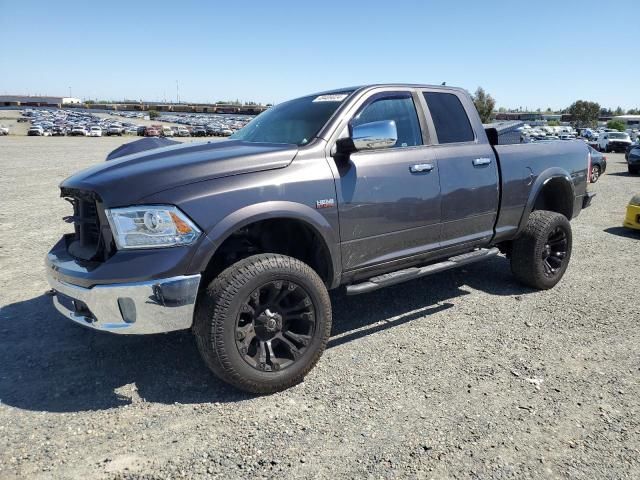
635 200
151 226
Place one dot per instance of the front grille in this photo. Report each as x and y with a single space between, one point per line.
89 241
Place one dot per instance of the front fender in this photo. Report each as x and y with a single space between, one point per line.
264 211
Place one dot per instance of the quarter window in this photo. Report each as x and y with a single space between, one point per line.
399 109
449 118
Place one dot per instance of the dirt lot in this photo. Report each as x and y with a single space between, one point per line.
464 374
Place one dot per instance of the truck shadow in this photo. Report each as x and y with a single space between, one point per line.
50 364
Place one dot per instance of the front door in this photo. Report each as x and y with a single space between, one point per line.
389 199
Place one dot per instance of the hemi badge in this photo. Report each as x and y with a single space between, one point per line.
326 203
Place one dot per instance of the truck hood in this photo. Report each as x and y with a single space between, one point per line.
128 179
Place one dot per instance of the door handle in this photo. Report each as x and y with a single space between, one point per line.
478 162
421 167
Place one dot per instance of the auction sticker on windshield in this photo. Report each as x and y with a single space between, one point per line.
331 98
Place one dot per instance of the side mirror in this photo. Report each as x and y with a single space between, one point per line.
369 136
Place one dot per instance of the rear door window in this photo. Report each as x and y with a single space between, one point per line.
449 118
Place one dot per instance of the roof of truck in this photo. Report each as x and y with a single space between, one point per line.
378 85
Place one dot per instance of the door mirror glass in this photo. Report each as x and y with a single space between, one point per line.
375 135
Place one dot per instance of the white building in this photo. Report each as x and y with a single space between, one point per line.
35 101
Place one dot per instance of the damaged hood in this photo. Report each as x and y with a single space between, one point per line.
128 179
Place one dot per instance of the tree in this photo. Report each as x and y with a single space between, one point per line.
616 125
633 111
618 111
153 114
584 113
484 104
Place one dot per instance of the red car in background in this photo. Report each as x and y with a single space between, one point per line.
153 131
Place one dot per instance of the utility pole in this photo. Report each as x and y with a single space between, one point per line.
69 92
177 92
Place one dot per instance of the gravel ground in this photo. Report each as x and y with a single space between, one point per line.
464 374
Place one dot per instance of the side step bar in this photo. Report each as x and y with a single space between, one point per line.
400 276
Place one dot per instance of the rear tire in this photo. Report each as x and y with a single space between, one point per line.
540 256
263 323
595 173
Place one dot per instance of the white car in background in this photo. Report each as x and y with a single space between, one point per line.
4 130
95 131
613 141
79 131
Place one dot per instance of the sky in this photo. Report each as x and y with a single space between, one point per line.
525 54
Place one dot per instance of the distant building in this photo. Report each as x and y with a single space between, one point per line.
631 121
36 101
522 116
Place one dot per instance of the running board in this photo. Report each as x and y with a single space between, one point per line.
400 276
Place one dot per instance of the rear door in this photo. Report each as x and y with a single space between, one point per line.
468 170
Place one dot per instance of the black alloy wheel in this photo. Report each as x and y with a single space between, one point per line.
541 254
263 322
275 325
555 251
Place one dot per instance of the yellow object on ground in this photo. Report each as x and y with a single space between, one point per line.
632 220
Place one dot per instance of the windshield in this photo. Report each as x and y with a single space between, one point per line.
617 135
295 122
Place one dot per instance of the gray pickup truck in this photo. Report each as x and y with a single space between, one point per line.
364 187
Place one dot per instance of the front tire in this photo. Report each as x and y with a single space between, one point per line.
541 255
263 323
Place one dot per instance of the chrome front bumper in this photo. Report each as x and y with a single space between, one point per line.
156 306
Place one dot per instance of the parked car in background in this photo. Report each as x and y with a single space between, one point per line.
183 132
79 131
95 131
633 159
199 131
142 130
598 164
35 131
629 148
632 219
58 131
613 142
167 131
152 131
114 130
4 130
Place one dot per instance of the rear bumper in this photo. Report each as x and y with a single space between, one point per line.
157 306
